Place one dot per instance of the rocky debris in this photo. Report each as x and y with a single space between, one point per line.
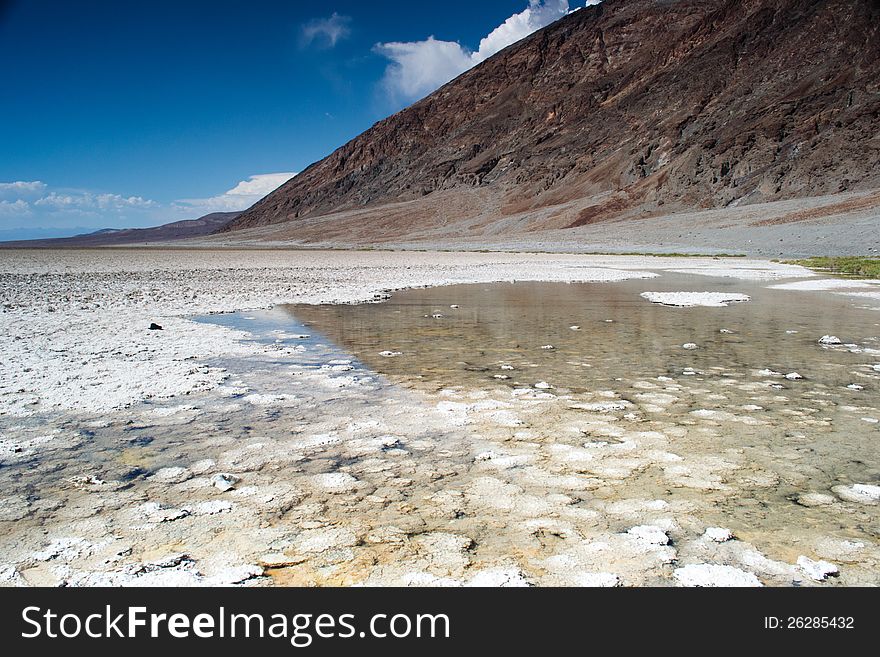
859 493
816 570
710 414
336 482
486 456
427 580
155 512
856 387
173 475
543 385
324 539
713 575
690 346
212 508
179 570
499 578
830 340
257 399
446 552
203 467
548 347
14 507
64 549
235 575
602 407
794 376
390 354
173 570
597 580
387 535
338 366
279 560
718 535
95 484
814 499
843 550
650 534
9 576
224 482
155 327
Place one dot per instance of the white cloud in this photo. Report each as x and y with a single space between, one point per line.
240 197
93 202
14 208
34 209
419 67
25 198
537 15
325 32
21 188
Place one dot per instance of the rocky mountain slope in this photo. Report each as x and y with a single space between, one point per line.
629 108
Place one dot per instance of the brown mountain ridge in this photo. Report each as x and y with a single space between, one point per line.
631 107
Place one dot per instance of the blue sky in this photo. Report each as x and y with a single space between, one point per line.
118 114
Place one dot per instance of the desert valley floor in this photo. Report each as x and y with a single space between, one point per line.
476 419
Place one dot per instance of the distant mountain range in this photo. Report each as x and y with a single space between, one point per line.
178 230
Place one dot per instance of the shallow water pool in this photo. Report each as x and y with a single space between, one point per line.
762 416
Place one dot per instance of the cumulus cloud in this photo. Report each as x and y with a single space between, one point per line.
537 15
14 208
34 209
240 197
87 201
419 67
21 188
325 32
35 200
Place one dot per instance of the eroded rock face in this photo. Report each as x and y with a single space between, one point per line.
646 102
